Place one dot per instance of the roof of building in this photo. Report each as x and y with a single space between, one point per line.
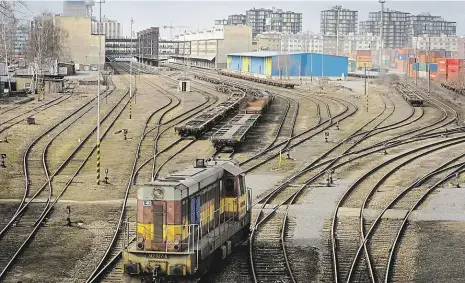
272 53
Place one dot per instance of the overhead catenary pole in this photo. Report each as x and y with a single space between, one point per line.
98 88
322 56
130 78
366 93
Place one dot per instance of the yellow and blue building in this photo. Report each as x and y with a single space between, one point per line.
275 64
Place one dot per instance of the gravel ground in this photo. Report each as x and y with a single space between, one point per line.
95 207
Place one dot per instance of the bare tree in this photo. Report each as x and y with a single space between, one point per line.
44 46
8 23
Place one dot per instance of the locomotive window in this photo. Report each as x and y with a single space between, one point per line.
230 192
241 184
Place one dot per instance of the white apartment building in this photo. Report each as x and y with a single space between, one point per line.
317 43
209 47
425 42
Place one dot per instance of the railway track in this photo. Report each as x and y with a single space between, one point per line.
33 211
358 195
108 266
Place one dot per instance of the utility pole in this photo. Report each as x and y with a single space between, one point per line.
98 88
428 63
366 94
322 56
381 34
337 30
130 78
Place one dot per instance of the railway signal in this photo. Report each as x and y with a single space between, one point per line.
3 156
106 176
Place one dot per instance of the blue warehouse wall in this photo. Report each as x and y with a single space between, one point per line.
257 65
236 63
309 64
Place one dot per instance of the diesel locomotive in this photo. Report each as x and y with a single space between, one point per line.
188 220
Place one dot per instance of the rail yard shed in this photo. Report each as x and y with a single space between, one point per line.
275 64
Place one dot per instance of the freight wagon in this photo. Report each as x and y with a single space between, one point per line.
411 97
188 221
257 79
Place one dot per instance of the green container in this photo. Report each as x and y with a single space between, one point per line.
352 66
422 67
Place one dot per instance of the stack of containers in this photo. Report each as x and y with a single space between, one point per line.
423 60
433 71
402 57
442 69
364 58
454 68
410 63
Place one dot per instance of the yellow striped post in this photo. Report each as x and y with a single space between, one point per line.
98 162
130 108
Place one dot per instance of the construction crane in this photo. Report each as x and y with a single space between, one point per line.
173 27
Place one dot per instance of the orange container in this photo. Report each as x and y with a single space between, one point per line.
442 66
401 65
363 59
363 53
442 77
433 76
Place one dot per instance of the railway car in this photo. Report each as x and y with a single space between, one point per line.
187 221
453 87
233 134
258 105
256 79
208 118
411 97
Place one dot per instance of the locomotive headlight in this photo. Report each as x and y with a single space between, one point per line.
177 240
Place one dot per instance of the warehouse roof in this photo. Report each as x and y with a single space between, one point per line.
271 53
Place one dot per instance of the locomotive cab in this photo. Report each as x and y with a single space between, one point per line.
184 218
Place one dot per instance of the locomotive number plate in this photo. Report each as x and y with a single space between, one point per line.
147 203
162 256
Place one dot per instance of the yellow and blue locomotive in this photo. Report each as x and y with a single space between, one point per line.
188 220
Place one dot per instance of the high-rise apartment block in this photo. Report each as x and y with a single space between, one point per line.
400 27
239 19
338 20
21 38
425 23
266 20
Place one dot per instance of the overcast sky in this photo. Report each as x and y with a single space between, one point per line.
202 14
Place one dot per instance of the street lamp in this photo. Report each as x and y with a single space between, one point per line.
98 88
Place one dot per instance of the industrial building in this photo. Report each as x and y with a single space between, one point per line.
209 47
148 42
338 21
81 46
271 64
110 28
167 48
78 8
121 46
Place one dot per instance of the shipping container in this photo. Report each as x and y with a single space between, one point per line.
423 74
405 51
415 66
452 69
453 62
422 67
363 53
433 75
76 67
442 67
447 54
433 67
364 59
402 57
362 65
401 66
352 66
